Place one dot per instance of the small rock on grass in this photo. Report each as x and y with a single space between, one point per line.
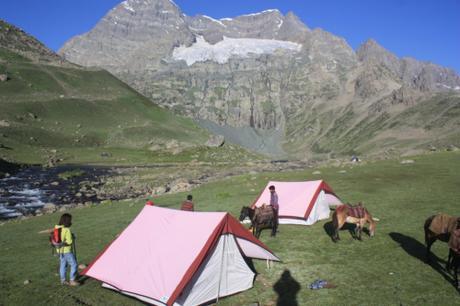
27 281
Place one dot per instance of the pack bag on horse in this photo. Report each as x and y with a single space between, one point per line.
453 262
261 218
357 215
439 227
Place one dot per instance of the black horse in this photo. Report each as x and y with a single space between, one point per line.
261 218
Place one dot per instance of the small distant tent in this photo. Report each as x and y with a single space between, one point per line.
300 202
173 257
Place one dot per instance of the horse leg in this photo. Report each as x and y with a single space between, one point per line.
359 230
449 260
456 264
429 240
361 223
429 237
335 225
339 222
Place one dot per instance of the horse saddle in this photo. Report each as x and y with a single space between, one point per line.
357 211
264 213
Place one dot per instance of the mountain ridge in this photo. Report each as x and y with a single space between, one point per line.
299 95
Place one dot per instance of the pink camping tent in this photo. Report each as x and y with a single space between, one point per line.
300 202
173 257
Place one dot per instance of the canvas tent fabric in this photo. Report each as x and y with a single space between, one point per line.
300 202
174 257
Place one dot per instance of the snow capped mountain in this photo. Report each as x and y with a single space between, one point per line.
202 51
265 80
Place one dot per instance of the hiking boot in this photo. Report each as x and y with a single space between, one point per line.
74 283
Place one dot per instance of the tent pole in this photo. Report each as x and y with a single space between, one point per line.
221 268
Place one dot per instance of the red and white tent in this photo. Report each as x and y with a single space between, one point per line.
173 257
300 202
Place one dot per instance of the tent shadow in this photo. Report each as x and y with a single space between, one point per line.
287 288
418 250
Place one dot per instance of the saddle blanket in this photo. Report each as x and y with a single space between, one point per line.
357 211
264 213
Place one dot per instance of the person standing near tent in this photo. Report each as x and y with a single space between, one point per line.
274 204
188 204
66 256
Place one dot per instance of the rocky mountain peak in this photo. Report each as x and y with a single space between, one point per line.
294 20
371 51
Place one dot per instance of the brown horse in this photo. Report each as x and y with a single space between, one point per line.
439 227
357 215
261 218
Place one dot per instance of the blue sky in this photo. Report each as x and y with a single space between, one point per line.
427 30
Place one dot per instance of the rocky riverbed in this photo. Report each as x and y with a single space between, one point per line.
36 190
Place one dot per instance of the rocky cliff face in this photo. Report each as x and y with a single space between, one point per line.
264 80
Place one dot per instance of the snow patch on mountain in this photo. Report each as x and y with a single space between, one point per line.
214 20
202 51
127 6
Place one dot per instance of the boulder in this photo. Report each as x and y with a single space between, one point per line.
4 123
407 161
106 154
3 77
180 185
81 266
172 144
49 208
158 190
215 141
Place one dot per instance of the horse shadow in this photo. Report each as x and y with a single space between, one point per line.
329 229
287 288
418 250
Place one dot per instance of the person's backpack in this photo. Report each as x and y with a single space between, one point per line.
55 239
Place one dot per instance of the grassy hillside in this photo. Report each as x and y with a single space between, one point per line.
385 270
392 129
81 114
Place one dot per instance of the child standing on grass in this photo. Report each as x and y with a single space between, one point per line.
66 256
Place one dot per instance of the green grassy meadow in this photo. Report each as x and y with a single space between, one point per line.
77 114
384 270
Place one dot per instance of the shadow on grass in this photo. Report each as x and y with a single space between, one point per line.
286 288
418 250
329 229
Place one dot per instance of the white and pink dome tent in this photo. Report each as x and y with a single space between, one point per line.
173 257
300 202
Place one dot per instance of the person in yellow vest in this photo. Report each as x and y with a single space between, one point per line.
66 256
